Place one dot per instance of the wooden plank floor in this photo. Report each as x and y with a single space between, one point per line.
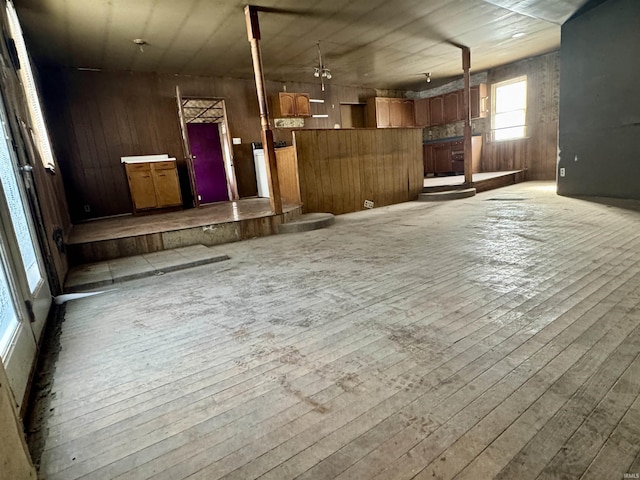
492 337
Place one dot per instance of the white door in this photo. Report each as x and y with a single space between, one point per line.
25 296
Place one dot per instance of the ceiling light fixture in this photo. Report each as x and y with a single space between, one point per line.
321 71
428 75
140 42
518 35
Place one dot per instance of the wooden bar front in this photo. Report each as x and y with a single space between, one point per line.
339 169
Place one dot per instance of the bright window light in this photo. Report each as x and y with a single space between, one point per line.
509 113
26 76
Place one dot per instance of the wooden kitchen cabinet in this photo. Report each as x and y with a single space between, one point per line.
422 113
451 109
385 112
436 106
378 112
427 159
153 185
479 101
289 104
447 156
395 112
442 158
406 115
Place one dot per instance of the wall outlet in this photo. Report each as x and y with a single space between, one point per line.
562 172
368 204
237 140
87 208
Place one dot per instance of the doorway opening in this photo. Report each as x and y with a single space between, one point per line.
352 115
205 133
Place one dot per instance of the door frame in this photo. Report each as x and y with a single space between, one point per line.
186 148
226 145
32 307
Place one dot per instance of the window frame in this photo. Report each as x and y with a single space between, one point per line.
38 127
494 88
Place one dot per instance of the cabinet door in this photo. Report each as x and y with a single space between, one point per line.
287 104
167 187
407 113
422 112
479 101
383 112
395 112
475 102
427 159
436 106
442 157
451 107
303 106
142 188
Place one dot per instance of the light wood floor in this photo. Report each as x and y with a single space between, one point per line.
492 337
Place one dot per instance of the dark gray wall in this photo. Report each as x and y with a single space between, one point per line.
600 102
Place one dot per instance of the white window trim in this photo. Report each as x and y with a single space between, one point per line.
493 108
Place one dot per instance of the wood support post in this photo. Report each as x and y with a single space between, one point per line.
468 165
253 33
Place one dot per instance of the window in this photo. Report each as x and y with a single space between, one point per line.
509 112
26 76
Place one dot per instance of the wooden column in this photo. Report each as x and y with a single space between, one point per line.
253 32
466 66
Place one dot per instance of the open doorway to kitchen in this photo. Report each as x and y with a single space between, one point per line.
205 133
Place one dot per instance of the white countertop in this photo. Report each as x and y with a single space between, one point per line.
147 158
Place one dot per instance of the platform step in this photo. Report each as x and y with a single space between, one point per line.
307 222
106 273
447 195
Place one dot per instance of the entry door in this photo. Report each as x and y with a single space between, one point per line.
25 296
208 162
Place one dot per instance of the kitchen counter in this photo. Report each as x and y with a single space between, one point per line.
448 139
147 158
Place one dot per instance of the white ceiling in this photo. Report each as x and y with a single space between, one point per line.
375 43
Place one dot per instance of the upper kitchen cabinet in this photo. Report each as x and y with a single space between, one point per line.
422 112
436 106
385 112
407 108
479 101
451 108
287 104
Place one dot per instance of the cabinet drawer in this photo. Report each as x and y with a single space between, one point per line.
138 167
164 165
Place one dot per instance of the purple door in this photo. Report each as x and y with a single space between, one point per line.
208 162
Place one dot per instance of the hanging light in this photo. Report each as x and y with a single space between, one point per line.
321 71
428 74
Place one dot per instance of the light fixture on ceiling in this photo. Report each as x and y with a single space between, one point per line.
140 42
321 71
428 75
518 35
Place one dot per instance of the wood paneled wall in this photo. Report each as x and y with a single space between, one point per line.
97 117
340 169
47 199
537 154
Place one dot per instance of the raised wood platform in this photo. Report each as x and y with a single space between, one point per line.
481 181
209 225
